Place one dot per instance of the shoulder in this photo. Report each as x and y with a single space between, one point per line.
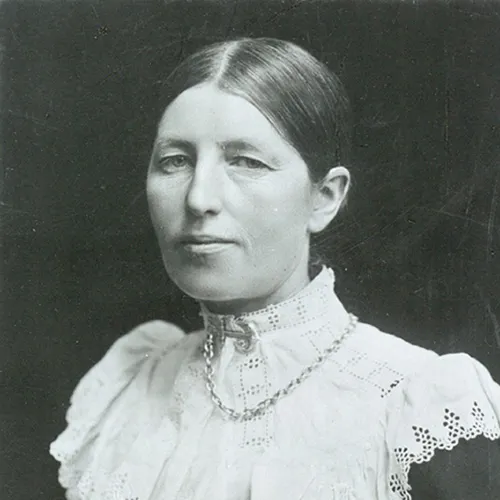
389 348
449 401
106 387
151 338
436 410
127 357
454 384
372 359
130 352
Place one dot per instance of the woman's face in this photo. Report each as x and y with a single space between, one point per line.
230 201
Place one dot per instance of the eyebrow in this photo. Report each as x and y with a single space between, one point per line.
174 143
239 144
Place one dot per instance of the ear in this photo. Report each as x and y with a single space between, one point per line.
329 196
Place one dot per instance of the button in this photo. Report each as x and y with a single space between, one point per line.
246 345
246 338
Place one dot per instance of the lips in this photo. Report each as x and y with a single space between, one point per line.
202 239
204 244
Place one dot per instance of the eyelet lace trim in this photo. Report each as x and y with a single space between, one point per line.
427 443
312 303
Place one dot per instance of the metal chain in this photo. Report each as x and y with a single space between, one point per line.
262 406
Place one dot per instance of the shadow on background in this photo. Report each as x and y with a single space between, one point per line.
416 251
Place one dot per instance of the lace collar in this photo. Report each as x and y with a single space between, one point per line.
308 310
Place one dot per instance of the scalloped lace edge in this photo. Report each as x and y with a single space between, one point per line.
449 444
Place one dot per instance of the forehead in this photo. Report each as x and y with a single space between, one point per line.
205 113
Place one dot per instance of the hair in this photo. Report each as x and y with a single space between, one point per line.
298 94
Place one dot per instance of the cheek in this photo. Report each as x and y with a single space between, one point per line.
164 201
282 213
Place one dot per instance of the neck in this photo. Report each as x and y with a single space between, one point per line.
290 286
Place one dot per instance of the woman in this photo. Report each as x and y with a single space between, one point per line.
282 394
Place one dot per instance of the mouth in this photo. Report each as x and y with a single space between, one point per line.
204 244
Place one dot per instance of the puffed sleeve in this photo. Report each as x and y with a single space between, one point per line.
100 389
448 410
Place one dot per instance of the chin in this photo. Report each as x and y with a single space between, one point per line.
205 284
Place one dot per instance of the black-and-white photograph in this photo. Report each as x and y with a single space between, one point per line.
250 250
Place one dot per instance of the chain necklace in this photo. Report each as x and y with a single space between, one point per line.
262 406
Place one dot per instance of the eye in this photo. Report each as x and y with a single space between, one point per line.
173 162
251 163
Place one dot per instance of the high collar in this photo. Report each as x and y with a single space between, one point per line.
309 308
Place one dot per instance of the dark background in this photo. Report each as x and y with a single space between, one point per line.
416 251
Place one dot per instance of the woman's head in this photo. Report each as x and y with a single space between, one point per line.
246 166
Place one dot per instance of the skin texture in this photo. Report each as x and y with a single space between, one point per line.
220 168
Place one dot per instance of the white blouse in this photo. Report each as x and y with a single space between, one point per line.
142 424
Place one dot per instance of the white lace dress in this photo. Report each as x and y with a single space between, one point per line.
142 424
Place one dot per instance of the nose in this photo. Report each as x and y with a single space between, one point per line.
205 193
